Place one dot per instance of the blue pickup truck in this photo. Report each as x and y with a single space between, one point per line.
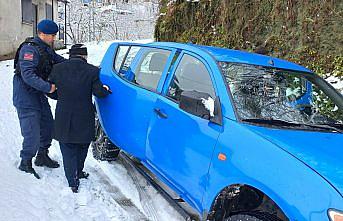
236 135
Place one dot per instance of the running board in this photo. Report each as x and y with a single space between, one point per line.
177 203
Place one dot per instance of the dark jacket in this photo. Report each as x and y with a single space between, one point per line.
28 88
76 81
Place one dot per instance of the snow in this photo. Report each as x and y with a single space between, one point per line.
113 8
109 20
209 105
23 197
336 83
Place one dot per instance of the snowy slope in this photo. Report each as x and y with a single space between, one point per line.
101 197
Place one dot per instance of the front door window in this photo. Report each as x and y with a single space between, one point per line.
190 75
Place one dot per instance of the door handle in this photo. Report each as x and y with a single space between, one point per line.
160 113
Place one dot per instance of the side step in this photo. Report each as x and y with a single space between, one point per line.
179 205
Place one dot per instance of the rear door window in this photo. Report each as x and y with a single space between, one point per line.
150 67
129 58
120 55
123 59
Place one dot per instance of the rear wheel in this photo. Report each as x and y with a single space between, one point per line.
253 216
103 148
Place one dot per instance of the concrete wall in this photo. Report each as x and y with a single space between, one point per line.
12 30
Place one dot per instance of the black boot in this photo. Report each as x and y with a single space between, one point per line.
83 175
26 166
43 159
75 189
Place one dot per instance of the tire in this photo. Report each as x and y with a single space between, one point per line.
103 149
253 216
243 218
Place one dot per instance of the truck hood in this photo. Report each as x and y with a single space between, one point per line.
323 152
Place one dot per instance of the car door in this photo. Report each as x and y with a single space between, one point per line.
136 71
180 145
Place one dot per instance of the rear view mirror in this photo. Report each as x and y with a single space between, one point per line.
202 105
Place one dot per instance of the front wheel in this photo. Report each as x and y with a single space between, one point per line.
103 148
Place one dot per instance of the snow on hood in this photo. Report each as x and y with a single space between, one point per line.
321 151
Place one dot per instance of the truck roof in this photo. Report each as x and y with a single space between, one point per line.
237 56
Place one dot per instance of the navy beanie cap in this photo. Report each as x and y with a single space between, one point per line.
78 49
47 26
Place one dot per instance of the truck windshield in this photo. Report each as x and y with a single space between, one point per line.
269 95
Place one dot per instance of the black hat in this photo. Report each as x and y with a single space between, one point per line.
78 49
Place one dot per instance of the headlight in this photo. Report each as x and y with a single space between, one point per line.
335 215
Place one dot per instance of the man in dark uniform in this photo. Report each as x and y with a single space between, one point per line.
74 126
33 63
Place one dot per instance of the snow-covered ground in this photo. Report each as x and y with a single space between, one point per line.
110 193
106 195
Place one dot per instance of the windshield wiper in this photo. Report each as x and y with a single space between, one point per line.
334 126
271 121
275 122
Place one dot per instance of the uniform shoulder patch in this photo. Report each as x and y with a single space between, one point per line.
28 56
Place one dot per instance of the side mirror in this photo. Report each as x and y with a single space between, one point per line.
218 116
202 105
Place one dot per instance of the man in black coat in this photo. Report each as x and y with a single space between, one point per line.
74 128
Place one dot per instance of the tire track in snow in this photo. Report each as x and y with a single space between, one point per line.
141 184
120 199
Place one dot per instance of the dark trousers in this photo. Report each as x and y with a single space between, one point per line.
36 128
74 156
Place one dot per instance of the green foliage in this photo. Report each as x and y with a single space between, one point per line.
306 32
